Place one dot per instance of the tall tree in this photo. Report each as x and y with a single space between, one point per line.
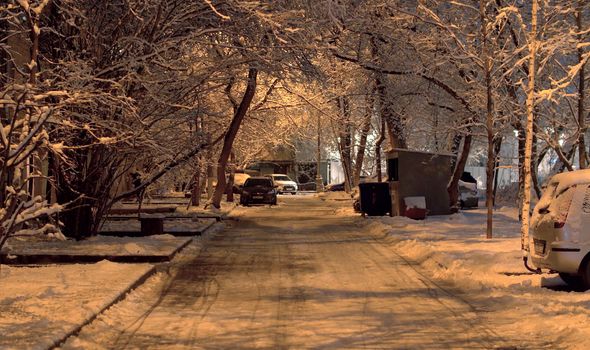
530 104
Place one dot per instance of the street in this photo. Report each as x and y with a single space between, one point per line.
298 276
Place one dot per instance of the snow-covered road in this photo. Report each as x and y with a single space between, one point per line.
293 277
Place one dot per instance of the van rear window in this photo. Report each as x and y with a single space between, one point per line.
547 197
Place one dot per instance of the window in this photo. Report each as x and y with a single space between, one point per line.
257 182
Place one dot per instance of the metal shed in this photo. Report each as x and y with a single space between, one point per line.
419 174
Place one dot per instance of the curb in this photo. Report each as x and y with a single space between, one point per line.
41 259
115 300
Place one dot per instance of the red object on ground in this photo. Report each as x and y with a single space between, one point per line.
415 213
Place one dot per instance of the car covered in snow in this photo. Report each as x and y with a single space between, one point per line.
260 190
560 227
335 187
239 180
284 183
468 193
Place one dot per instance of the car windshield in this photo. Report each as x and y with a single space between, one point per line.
281 178
257 182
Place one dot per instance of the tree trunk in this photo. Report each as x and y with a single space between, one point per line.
78 219
491 161
521 147
210 179
196 188
581 92
196 180
567 160
345 142
378 150
230 136
455 144
534 164
530 102
453 186
497 149
394 123
360 155
230 181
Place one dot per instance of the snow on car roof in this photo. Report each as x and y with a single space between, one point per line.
568 179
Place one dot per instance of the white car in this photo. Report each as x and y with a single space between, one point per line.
284 183
560 228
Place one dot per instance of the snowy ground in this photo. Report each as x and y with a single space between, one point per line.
40 305
454 249
312 274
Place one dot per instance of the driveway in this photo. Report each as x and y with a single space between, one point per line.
298 276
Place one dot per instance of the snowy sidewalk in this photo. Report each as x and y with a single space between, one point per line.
453 249
41 306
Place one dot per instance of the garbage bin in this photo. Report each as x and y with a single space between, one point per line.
375 198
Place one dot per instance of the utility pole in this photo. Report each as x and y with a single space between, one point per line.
318 175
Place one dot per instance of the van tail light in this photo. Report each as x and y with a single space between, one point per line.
563 208
558 224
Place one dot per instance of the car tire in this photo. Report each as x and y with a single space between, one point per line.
572 280
584 274
293 193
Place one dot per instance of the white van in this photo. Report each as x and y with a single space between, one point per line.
560 227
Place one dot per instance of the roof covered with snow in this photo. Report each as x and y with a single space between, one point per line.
571 178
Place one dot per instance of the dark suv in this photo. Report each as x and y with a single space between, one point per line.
259 190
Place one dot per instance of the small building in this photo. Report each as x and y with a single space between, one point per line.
299 166
419 174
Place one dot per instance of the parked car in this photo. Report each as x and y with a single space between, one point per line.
339 186
284 183
560 222
468 194
259 190
335 187
307 186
